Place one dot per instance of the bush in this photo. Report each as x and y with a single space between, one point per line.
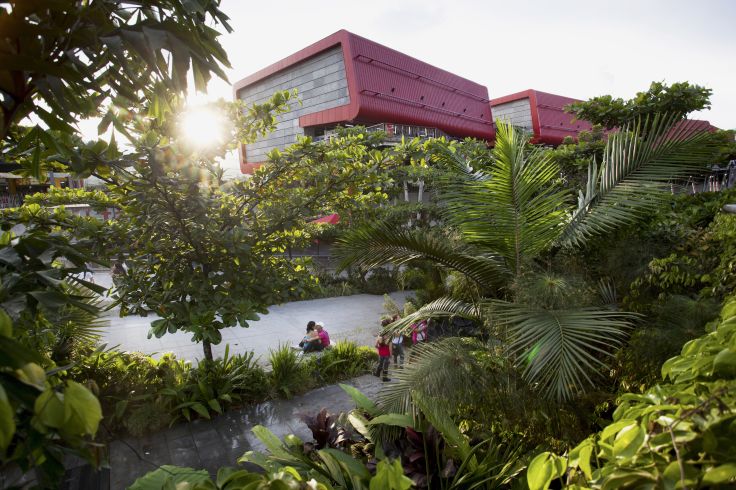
128 385
290 375
345 360
214 385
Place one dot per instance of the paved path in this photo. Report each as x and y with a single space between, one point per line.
211 444
355 318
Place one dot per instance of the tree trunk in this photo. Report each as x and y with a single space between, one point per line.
207 347
419 198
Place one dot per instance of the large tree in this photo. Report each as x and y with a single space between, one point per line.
678 100
60 61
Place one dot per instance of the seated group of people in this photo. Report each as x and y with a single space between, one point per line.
316 338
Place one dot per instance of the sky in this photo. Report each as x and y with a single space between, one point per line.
576 48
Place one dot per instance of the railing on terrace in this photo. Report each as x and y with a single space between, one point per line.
719 178
8 200
394 132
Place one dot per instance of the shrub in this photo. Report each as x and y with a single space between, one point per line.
345 360
289 374
128 385
214 385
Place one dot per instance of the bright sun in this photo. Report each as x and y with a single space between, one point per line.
202 126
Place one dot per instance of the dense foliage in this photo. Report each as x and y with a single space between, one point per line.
678 99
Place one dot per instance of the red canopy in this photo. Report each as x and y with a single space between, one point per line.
332 219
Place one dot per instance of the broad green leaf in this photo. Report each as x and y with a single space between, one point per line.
49 408
724 363
397 419
613 428
32 374
352 465
170 475
360 424
719 475
628 441
270 440
390 476
82 411
542 470
361 401
201 409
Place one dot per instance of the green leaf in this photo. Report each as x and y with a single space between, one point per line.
32 374
724 364
82 411
7 422
397 419
6 324
170 476
541 471
628 441
719 475
270 440
361 401
352 465
390 476
215 405
201 409
49 408
613 428
360 424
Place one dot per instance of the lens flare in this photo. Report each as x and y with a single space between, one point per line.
202 127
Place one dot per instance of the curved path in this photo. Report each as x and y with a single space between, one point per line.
211 444
355 318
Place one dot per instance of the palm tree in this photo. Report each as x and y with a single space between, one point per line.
509 213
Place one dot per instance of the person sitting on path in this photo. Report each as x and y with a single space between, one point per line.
324 337
311 341
384 357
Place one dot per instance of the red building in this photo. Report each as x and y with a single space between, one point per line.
347 79
540 113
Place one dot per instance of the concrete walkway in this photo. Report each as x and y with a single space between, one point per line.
355 318
211 444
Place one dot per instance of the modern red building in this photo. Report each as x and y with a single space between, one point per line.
540 113
347 79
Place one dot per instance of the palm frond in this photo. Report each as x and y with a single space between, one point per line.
561 350
439 308
439 370
375 245
515 210
638 163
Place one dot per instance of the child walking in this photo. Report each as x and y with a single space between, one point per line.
384 357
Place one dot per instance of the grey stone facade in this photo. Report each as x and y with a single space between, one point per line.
321 84
517 112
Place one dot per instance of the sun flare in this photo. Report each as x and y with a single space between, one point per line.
202 126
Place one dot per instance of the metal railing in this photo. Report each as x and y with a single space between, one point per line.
719 178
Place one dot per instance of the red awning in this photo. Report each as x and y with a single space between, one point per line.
332 219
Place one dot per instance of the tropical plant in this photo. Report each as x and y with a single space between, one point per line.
290 374
43 414
509 214
678 434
